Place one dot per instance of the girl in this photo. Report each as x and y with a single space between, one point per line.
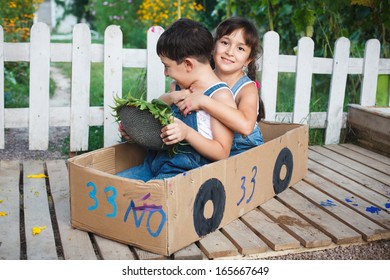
235 53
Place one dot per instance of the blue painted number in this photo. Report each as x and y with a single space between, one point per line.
111 200
92 195
243 181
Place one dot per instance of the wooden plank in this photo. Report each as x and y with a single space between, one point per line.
217 245
368 153
76 244
111 250
243 238
269 73
340 173
368 229
271 233
112 81
364 207
303 80
308 235
39 87
37 214
370 162
379 176
81 76
338 231
146 255
9 207
191 252
337 91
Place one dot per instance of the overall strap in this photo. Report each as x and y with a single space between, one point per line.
244 80
215 87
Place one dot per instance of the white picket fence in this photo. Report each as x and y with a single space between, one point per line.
40 52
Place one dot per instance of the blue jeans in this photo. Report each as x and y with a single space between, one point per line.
242 143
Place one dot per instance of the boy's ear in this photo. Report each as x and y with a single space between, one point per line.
189 64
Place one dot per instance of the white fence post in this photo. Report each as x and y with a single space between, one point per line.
39 87
112 80
337 91
155 79
81 76
2 111
303 78
370 73
269 74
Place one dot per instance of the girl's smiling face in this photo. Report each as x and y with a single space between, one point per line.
231 53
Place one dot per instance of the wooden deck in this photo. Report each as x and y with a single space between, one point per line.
344 199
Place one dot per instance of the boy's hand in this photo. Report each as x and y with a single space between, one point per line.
174 133
123 132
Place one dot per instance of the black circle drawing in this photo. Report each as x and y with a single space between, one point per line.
214 191
285 158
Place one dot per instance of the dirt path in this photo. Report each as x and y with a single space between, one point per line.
16 139
61 97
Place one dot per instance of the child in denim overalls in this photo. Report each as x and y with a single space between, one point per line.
203 138
236 50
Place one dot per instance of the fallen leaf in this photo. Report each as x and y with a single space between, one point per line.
3 214
37 176
37 230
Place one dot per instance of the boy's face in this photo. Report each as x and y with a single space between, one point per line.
175 71
231 53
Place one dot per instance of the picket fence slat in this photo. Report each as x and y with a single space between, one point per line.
370 75
81 76
337 91
112 80
155 81
39 87
303 80
2 121
269 73
81 53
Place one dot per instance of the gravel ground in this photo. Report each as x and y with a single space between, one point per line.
16 145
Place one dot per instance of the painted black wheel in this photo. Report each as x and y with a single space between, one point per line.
214 191
285 158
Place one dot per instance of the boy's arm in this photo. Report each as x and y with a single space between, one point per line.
174 96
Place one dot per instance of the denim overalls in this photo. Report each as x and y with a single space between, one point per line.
162 164
242 143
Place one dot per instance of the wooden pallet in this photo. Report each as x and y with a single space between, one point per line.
344 199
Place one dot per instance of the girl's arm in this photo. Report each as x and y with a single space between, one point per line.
242 120
213 149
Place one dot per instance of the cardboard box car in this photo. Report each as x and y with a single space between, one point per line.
164 216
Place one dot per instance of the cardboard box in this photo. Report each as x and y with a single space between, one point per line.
164 216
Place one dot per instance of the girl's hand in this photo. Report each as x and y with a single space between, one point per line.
191 102
174 133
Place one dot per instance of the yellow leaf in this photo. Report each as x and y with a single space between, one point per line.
37 230
36 176
3 214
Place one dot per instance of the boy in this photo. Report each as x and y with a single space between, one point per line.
185 49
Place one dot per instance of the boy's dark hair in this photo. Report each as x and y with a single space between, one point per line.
186 38
251 37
